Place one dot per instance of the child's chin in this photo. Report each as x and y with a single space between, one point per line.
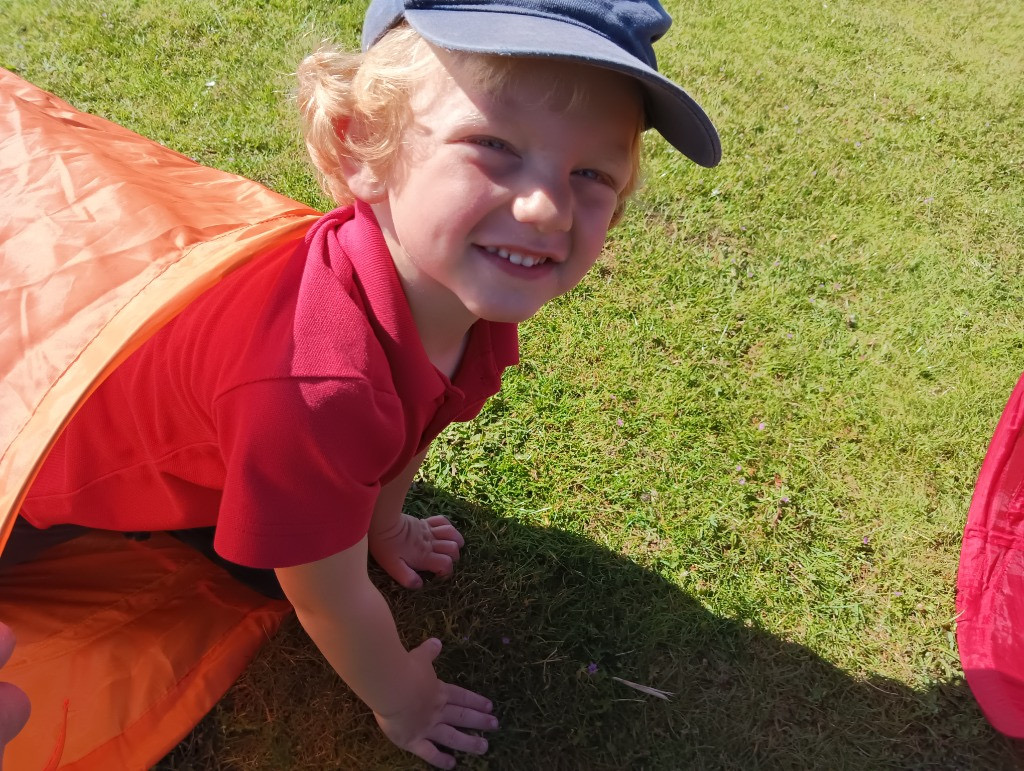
510 316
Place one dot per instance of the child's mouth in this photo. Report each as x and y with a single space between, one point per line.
525 260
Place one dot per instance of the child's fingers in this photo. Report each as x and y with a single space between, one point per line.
447 533
429 752
428 650
437 519
456 740
14 712
463 697
403 574
449 548
467 717
438 564
440 527
6 643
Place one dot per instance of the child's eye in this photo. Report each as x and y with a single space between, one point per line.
596 176
492 143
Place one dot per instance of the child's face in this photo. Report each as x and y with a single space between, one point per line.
500 201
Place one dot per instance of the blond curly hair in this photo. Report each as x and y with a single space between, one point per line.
355 106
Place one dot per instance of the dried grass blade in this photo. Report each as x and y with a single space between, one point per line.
645 689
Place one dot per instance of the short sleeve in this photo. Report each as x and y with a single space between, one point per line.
303 458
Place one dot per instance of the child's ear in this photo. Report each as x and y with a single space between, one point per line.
363 181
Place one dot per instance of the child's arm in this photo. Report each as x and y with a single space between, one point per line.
351 624
403 544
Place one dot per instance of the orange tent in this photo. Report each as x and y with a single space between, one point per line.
104 236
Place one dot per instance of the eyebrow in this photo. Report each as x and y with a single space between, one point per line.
474 116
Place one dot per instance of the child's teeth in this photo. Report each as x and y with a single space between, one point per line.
514 257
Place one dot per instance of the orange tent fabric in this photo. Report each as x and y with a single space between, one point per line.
104 237
123 646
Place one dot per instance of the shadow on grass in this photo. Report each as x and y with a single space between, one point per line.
528 611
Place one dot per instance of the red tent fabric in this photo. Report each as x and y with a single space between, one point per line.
990 583
104 236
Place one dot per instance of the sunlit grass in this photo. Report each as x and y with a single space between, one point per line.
736 462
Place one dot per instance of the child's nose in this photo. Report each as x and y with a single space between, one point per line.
547 206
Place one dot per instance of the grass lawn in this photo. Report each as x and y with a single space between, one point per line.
735 463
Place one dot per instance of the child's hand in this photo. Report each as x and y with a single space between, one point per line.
14 706
413 544
436 712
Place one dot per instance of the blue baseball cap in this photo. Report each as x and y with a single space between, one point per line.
614 34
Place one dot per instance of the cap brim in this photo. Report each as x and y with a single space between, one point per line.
671 111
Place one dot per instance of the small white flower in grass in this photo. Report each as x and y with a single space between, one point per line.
211 83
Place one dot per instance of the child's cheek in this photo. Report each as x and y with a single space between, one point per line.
600 202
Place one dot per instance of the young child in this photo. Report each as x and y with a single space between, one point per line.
481 150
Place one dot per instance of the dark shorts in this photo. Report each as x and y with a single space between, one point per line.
28 542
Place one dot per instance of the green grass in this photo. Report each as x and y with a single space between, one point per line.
736 462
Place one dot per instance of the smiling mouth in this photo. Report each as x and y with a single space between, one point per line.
526 260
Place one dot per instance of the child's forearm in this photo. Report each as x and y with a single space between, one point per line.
351 624
403 544
388 510
363 647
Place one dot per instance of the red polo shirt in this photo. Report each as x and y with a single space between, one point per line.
273 407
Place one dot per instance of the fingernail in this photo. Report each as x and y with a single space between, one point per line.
494 722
